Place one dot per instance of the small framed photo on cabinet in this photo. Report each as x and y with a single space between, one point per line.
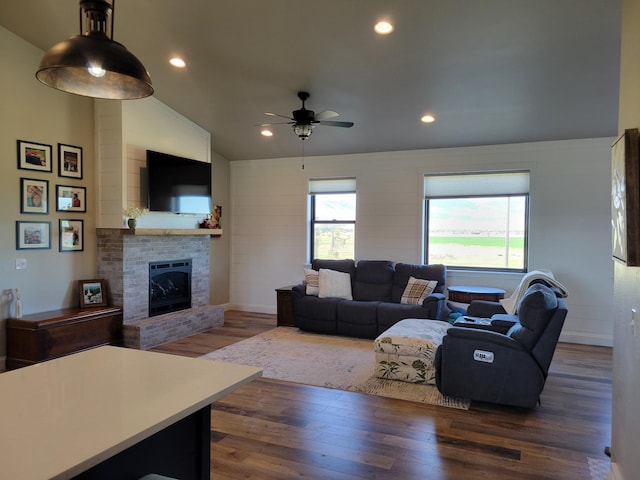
93 293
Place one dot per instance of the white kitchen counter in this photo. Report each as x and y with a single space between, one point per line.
61 417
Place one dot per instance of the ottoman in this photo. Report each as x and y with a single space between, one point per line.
406 350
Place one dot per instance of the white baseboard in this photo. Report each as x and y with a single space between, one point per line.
614 473
587 338
270 309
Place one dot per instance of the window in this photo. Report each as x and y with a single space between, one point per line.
477 221
333 218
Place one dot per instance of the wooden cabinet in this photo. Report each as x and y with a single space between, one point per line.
42 336
285 306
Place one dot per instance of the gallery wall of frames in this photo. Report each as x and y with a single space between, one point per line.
41 192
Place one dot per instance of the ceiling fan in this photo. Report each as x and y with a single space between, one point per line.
304 120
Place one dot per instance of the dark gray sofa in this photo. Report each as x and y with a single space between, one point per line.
377 288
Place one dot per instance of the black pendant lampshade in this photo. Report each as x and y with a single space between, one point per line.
92 63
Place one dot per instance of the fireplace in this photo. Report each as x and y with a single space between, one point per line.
169 286
124 255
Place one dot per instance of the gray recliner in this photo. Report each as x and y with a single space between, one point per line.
509 369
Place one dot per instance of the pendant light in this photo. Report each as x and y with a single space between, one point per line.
92 63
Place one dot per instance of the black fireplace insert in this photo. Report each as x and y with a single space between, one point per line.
169 286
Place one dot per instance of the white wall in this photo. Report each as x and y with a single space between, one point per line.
626 352
31 111
125 130
569 220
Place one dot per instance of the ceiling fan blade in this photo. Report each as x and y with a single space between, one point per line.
337 124
278 115
326 114
274 123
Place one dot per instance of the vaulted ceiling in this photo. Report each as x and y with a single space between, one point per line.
490 71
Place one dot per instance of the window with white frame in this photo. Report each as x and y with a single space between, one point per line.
333 218
477 221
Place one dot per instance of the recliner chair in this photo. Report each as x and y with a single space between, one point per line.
504 368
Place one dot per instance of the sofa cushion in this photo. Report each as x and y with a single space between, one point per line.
315 314
311 281
334 284
357 319
536 308
417 290
346 266
373 281
426 272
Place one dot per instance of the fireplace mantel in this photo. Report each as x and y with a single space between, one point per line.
214 232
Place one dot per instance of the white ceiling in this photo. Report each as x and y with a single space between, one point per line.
491 71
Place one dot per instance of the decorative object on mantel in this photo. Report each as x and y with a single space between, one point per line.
133 213
213 223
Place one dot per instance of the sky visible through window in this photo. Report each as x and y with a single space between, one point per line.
334 240
336 206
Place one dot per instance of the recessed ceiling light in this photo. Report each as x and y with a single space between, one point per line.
177 62
266 133
428 118
383 27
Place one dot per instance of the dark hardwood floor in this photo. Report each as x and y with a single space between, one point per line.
277 430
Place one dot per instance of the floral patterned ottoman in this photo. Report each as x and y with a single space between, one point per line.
407 349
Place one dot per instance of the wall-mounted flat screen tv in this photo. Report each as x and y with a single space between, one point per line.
177 184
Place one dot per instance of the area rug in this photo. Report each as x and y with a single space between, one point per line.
286 353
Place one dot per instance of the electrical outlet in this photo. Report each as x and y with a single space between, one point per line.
21 263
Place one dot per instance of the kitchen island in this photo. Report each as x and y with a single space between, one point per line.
112 412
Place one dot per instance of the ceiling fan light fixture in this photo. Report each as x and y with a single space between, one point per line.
92 64
303 130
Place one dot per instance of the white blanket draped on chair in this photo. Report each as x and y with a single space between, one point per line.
511 304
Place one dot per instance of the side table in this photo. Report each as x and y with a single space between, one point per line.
285 306
467 293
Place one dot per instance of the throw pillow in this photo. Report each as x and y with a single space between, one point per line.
334 284
311 281
417 290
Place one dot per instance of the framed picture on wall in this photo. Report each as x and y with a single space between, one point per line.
34 156
34 195
71 199
93 293
33 235
70 161
625 198
71 235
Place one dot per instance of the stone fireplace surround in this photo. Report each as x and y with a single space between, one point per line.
123 260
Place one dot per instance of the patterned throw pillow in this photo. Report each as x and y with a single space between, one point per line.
334 284
311 281
417 290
